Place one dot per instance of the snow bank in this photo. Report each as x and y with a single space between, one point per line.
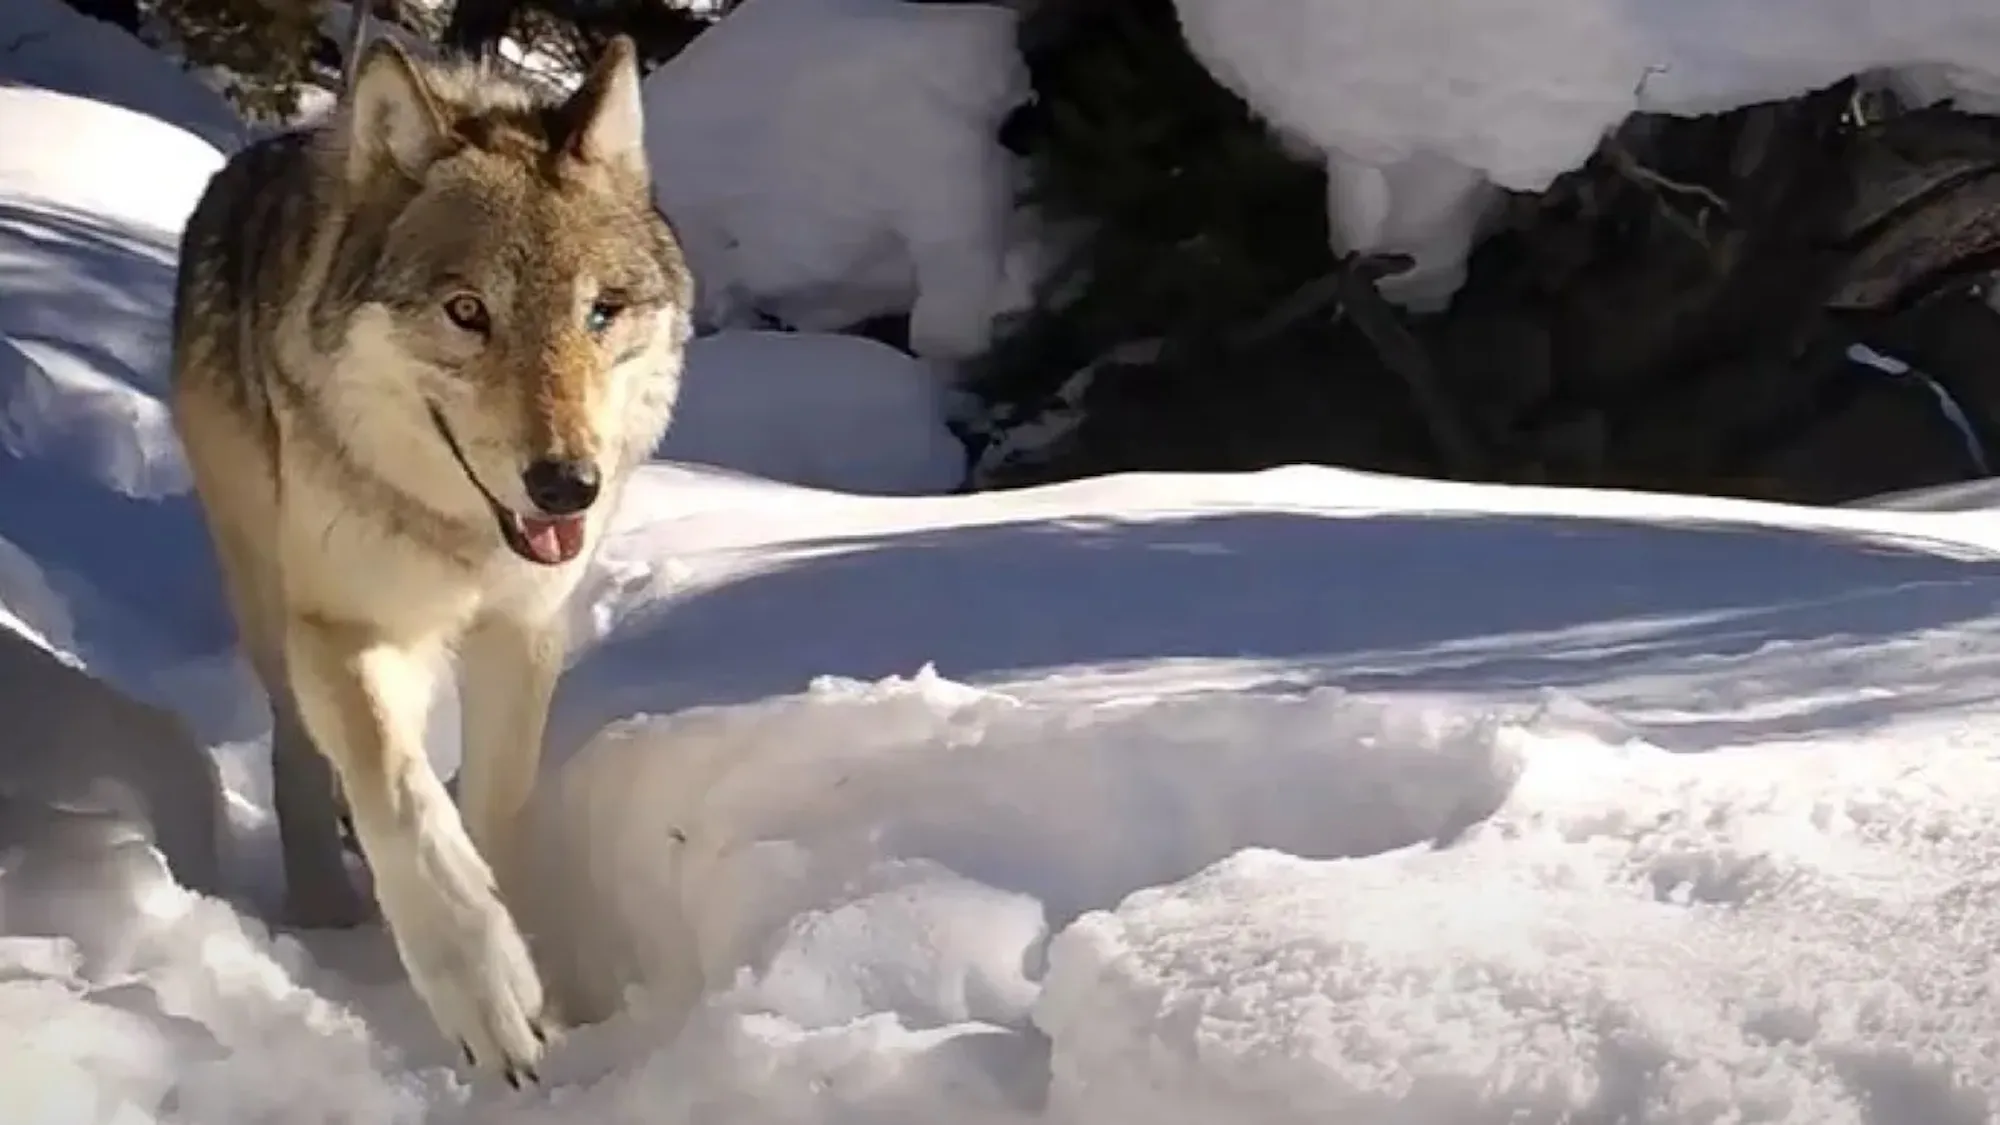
819 410
727 591
889 899
47 43
910 900
202 1018
87 255
90 778
1419 108
113 563
826 161
1789 936
906 846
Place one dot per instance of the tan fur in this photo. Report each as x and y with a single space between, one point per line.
340 426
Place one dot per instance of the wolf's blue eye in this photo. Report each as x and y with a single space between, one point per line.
600 316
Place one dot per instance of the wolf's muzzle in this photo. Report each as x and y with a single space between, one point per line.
547 541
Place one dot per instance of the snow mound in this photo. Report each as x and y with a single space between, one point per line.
827 161
819 410
48 44
90 778
1781 936
905 846
104 554
202 1016
87 255
1421 108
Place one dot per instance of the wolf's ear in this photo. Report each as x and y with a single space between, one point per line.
391 116
606 115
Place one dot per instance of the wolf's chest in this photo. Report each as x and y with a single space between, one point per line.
360 564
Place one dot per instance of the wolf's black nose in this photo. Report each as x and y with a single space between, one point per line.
561 487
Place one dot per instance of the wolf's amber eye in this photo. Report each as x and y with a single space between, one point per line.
468 312
602 312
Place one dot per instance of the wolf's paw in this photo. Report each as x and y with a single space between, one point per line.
468 961
490 1000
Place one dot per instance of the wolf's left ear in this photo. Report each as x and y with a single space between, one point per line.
391 116
606 114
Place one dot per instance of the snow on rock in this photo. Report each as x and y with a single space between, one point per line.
47 43
819 410
1421 108
93 781
826 161
30 605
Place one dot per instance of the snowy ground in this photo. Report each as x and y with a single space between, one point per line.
1297 797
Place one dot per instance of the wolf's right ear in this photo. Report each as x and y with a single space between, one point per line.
391 116
607 112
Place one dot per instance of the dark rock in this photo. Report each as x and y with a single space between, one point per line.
1885 433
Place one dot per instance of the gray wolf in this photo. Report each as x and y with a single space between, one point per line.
417 350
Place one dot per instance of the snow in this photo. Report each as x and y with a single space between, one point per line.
849 165
1419 109
1296 796
828 161
48 44
820 410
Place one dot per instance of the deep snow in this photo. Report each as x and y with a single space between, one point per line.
1301 796
1677 812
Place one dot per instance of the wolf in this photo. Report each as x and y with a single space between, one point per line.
418 348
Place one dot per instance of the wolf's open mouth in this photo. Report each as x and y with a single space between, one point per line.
547 540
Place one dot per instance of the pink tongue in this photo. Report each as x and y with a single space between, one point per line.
553 541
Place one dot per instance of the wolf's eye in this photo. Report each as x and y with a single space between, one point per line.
468 313
602 312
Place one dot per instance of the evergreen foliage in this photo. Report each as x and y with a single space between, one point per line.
266 47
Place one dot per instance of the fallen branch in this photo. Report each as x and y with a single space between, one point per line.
1350 290
1404 354
1659 184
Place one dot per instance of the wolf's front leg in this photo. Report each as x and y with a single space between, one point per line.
507 675
319 892
365 701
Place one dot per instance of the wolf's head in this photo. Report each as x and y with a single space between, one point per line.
501 281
